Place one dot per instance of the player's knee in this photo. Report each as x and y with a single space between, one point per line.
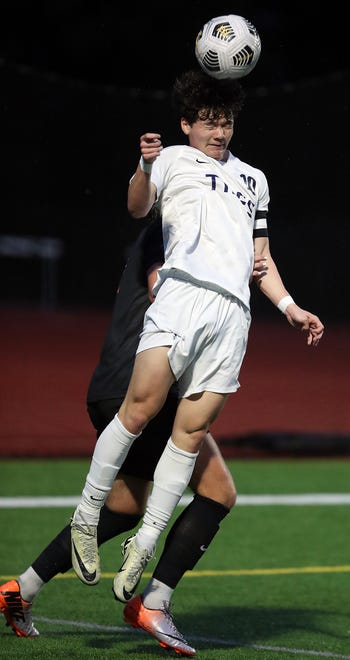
230 497
221 490
227 494
135 417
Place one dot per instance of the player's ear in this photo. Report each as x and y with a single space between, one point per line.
185 126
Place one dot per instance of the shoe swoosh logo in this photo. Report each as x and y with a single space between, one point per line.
89 577
121 568
127 595
203 548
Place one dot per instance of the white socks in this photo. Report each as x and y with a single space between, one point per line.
30 584
171 477
156 594
110 452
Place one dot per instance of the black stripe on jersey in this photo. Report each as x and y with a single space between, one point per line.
261 231
257 233
261 214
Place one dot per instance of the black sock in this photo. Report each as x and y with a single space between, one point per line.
194 529
56 558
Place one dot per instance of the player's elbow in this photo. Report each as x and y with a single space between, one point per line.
137 211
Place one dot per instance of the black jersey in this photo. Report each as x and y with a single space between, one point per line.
111 377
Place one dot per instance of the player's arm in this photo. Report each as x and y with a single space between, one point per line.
142 192
272 286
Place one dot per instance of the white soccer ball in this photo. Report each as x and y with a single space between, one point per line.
228 47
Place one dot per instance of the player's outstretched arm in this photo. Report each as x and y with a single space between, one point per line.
272 286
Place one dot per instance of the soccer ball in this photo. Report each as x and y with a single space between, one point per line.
228 47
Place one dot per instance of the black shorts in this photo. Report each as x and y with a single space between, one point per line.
145 452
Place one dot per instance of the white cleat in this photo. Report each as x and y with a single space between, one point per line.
129 575
85 555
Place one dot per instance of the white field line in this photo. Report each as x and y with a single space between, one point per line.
206 640
315 499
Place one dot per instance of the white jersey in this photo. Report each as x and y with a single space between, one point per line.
211 211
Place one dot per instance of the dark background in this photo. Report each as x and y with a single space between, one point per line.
81 81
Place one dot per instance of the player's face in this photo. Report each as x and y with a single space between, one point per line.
211 136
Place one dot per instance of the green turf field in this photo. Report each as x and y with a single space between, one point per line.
275 582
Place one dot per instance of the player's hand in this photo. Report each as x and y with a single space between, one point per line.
151 146
260 267
306 322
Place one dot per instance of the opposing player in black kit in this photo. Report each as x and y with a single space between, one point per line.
212 483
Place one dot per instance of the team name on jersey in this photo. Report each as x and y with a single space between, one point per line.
248 181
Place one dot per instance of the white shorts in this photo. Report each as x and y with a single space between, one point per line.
207 333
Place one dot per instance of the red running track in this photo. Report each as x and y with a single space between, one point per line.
47 359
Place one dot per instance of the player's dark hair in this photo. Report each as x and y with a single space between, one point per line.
195 92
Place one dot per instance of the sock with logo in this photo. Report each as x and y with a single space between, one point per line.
188 539
110 452
171 476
